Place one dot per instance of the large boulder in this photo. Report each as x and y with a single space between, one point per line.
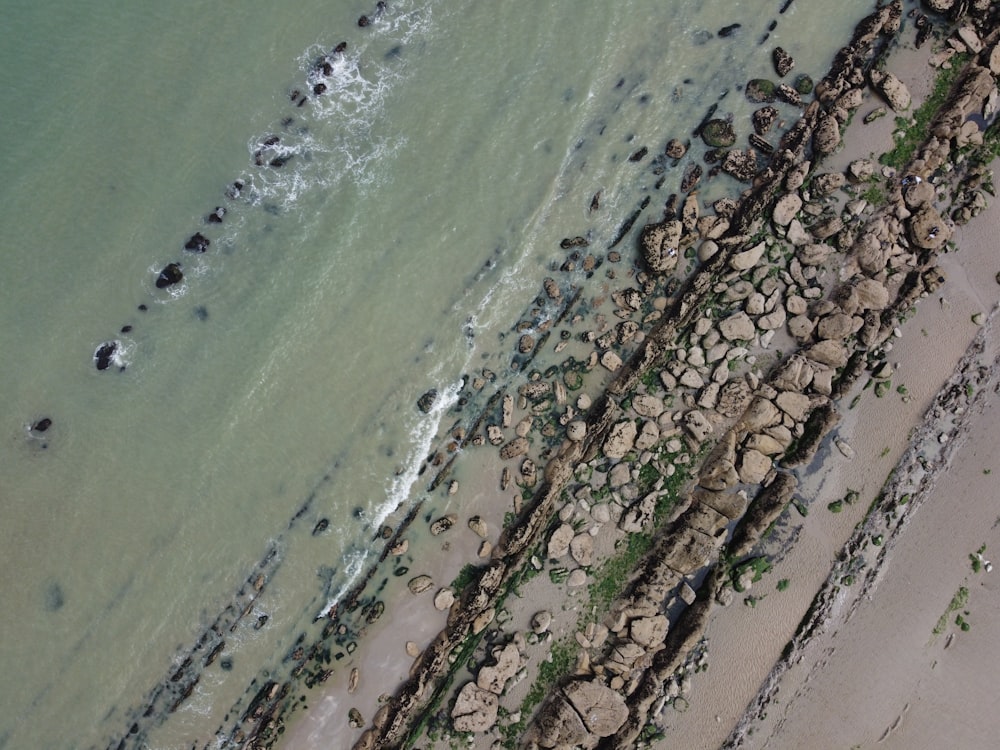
826 137
892 89
660 245
927 229
737 327
475 709
494 678
621 439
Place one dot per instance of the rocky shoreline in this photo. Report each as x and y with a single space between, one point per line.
680 467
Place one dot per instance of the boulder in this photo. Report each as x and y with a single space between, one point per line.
620 440
872 295
516 447
813 254
443 600
786 208
170 275
760 90
748 258
494 678
420 584
829 353
826 136
602 709
581 549
697 425
893 90
783 62
718 133
754 466
760 414
740 164
737 327
837 326
560 540
927 229
733 398
541 621
576 430
648 632
648 406
660 245
475 709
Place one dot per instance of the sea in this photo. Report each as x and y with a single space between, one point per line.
379 238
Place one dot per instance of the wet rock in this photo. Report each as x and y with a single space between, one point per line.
581 549
41 425
443 524
559 542
660 245
747 259
675 149
804 84
494 678
648 406
763 119
426 402
697 425
105 355
355 719
576 430
170 275
541 621
526 343
420 584
826 137
197 243
478 526
718 133
516 447
829 353
740 164
443 600
927 229
826 183
760 91
813 254
872 295
216 216
783 62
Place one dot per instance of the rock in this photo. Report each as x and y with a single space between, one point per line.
541 621
559 725
795 405
872 295
649 435
760 414
861 170
648 406
763 119
837 326
426 402
733 398
412 649
785 209
576 430
804 84
697 425
475 709
420 584
826 136
737 327
443 600
197 243
560 540
443 524
754 466
675 149
797 234
926 229
813 254
826 183
106 355
352 682
581 549
355 719
893 90
494 678
610 361
829 353
718 133
478 526
576 579
660 245
783 62
801 327
760 91
41 425
526 343
772 321
620 440
602 709
648 632
742 165
170 275
748 258
516 447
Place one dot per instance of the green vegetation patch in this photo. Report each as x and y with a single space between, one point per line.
958 601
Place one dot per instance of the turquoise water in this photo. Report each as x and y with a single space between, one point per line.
423 201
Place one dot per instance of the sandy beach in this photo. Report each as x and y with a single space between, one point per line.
567 615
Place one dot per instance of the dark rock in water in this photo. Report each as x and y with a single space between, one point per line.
763 119
197 243
226 664
924 30
104 356
787 94
760 91
804 84
426 402
170 275
574 242
340 48
675 149
125 329
41 425
280 161
595 202
201 312
234 190
363 21
142 308
321 525
760 144
692 174
216 216
54 597
271 140
718 133
320 88
729 30
783 62
639 155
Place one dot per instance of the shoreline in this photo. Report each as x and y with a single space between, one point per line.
513 549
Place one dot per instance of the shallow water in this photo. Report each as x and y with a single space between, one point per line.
424 200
